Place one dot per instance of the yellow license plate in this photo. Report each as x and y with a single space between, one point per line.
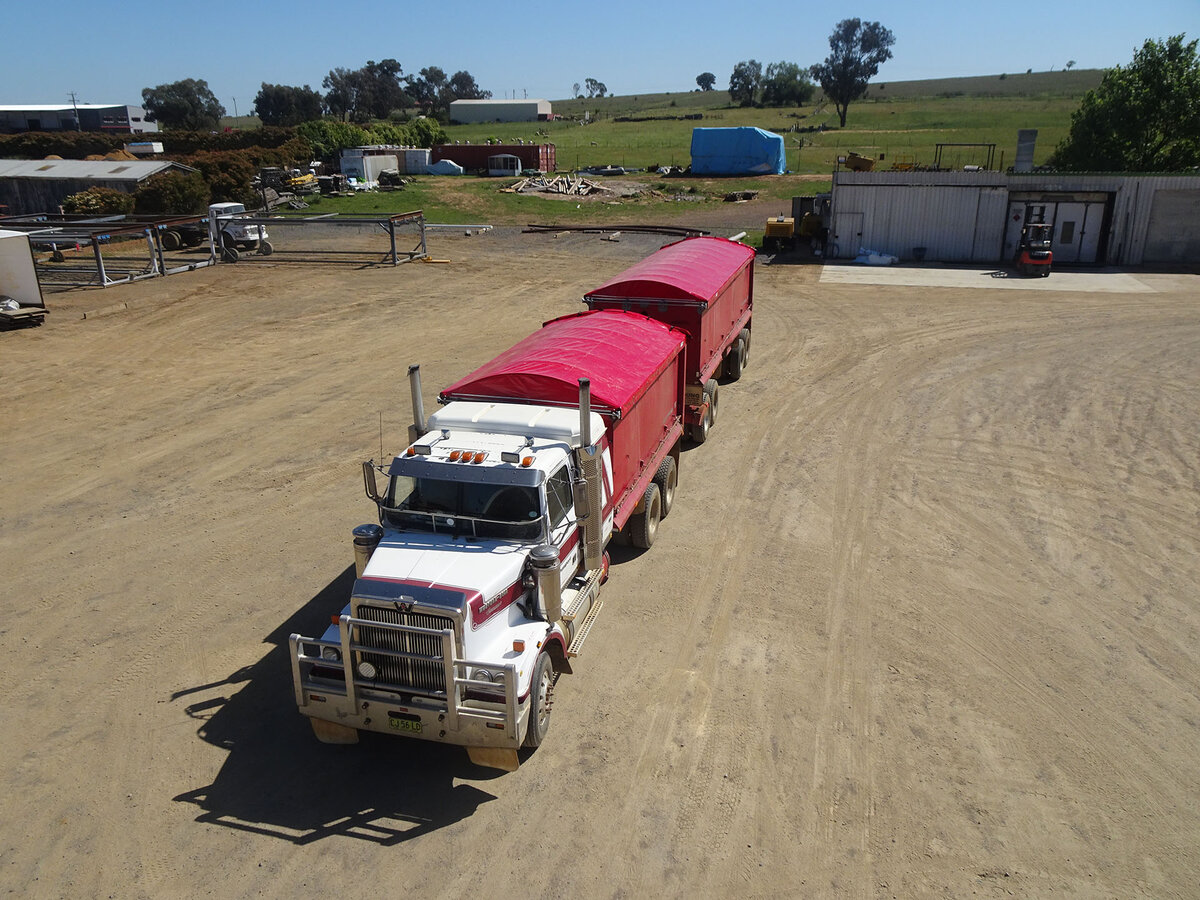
404 724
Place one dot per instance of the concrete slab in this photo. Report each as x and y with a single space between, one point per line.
1091 281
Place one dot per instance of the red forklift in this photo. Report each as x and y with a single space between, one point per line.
1033 256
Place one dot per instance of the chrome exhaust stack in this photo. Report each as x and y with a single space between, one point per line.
544 561
588 495
417 428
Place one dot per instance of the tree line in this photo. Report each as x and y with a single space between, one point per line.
374 91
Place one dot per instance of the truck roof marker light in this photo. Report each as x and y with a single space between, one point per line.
454 455
479 457
527 462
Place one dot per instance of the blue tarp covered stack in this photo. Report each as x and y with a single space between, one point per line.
736 151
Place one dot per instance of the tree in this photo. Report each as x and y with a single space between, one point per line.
858 50
1144 117
595 88
360 95
575 90
98 201
745 81
279 104
786 84
427 89
706 80
1070 65
463 87
187 105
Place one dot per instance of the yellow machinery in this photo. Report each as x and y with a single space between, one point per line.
780 234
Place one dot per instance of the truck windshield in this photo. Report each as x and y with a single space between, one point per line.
507 511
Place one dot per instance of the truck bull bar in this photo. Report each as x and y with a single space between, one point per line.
306 655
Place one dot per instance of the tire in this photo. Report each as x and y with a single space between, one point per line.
699 432
711 388
667 478
172 240
735 361
229 253
540 691
645 524
265 248
745 336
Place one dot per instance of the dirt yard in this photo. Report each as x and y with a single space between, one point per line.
925 619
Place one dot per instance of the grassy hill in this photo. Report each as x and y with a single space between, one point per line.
897 119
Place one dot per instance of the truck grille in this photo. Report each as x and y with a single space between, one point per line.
426 675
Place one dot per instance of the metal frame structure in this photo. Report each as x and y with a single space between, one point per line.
938 148
54 233
388 225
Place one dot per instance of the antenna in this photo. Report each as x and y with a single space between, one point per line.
381 437
75 106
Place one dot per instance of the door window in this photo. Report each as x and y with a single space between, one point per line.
558 496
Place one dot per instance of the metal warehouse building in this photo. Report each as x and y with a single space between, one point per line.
30 186
71 117
1122 220
470 112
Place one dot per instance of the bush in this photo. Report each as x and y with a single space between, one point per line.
173 193
98 201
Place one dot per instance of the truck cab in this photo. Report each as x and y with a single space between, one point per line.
229 232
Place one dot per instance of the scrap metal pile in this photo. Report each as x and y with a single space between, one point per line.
559 184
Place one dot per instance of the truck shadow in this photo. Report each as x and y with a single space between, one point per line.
278 780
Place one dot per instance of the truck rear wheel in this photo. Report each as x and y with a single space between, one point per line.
540 691
645 524
736 361
666 478
172 240
745 336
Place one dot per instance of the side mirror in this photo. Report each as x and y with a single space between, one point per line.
579 492
369 483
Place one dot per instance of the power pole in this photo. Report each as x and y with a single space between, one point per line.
75 106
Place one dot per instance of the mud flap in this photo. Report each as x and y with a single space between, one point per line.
494 758
333 733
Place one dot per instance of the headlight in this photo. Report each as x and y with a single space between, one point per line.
482 675
366 669
332 654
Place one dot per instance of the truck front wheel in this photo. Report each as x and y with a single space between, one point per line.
645 524
540 692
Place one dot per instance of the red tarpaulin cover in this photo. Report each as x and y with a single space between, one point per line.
620 352
692 269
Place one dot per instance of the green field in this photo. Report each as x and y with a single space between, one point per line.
900 122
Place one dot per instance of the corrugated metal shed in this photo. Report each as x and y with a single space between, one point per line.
39 185
475 111
969 216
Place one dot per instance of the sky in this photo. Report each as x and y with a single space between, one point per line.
107 53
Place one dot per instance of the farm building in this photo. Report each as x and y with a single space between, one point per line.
470 112
736 151
72 117
1099 219
30 186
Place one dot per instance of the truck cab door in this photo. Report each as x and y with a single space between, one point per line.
564 532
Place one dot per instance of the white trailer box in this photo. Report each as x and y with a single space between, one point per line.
18 275
19 282
414 160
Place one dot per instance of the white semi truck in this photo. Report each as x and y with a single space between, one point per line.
482 578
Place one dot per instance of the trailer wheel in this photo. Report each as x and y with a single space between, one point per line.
710 388
736 360
699 432
667 477
645 525
745 336
540 691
